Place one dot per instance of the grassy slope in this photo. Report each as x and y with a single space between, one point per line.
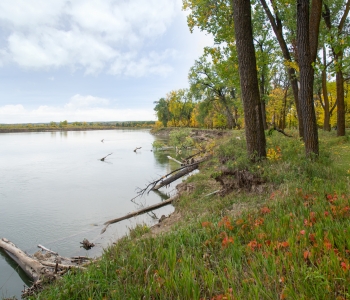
288 241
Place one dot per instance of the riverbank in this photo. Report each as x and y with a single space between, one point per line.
274 230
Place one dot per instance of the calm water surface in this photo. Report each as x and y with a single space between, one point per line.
55 191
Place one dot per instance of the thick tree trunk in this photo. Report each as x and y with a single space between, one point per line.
255 135
306 79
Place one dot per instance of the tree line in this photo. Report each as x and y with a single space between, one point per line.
274 63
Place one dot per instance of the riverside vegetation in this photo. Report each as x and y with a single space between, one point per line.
284 236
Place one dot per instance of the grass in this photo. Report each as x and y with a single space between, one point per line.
288 241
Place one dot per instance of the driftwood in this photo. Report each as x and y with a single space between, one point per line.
139 212
152 186
103 158
41 268
32 267
176 176
175 160
86 244
47 250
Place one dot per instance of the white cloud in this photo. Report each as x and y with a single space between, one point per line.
79 101
91 35
154 63
79 108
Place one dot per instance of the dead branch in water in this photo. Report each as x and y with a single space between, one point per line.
103 158
139 212
153 185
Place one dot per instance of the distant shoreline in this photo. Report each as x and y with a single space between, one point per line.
12 130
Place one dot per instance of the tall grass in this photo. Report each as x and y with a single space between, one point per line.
289 241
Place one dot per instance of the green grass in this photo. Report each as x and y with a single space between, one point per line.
288 241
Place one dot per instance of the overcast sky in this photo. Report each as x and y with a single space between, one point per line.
92 60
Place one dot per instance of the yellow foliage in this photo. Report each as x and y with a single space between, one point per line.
273 154
291 64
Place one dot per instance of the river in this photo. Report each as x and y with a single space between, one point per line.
55 191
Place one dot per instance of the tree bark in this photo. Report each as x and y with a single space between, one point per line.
262 100
340 103
255 135
306 79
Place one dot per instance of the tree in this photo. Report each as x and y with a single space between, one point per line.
255 135
337 36
277 25
162 111
207 85
307 40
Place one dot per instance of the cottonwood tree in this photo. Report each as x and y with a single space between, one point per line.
255 135
208 86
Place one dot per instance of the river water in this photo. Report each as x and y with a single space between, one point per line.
55 191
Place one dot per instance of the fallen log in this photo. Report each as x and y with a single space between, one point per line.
39 267
33 268
139 212
176 176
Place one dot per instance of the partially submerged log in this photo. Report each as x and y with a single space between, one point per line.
103 158
139 212
176 176
39 267
33 268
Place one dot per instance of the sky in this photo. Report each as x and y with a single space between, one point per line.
92 60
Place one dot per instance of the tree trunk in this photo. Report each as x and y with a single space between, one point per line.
325 105
262 100
229 117
255 135
340 103
306 79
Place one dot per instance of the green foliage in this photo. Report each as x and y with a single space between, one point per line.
139 230
157 144
181 138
